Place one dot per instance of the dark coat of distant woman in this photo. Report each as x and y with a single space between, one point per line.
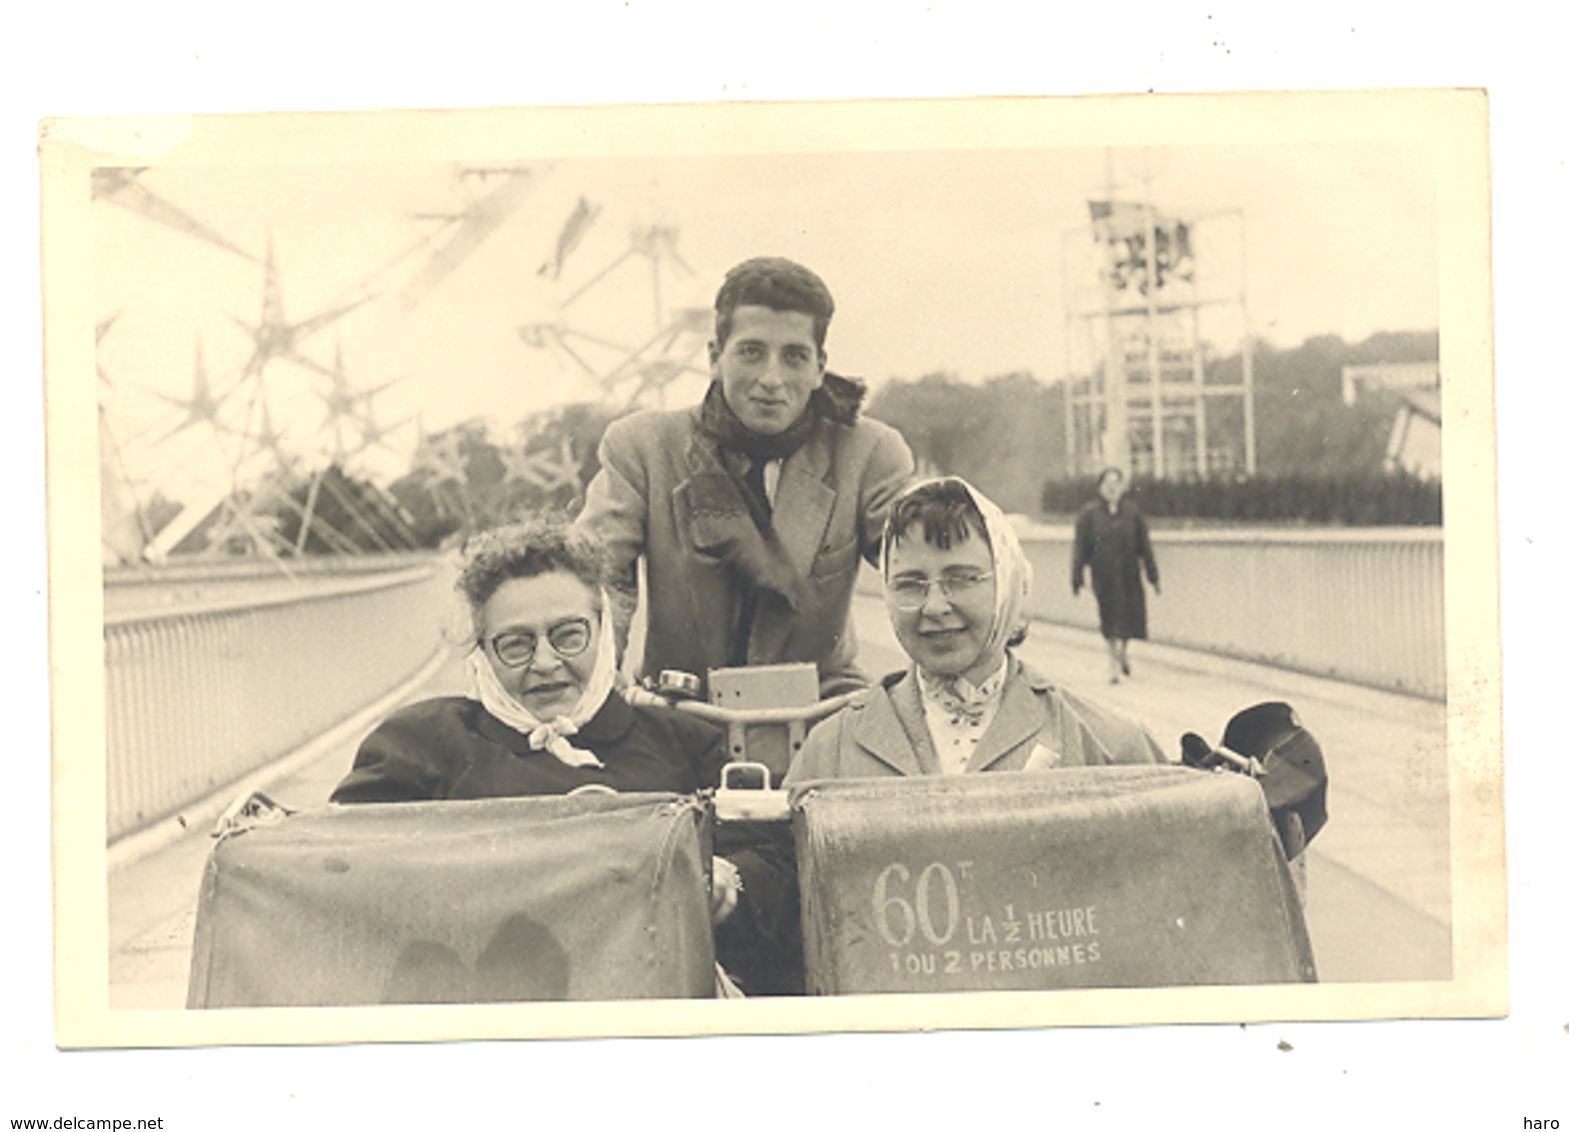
1112 545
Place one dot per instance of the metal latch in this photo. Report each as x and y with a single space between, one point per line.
746 793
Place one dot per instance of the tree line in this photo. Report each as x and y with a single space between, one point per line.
1319 460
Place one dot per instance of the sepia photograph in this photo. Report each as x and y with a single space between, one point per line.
773 568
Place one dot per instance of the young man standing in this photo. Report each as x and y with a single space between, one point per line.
751 512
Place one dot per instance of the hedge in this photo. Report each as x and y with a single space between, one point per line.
1353 500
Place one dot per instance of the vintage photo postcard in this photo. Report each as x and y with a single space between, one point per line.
1077 515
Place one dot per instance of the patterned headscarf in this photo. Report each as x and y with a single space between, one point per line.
1009 566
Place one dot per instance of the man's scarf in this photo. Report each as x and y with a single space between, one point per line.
837 399
730 519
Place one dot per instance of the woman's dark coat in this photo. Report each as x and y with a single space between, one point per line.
452 748
1113 545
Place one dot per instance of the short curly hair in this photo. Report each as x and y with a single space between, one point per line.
542 544
778 284
944 509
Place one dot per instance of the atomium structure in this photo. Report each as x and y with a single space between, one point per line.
262 439
635 373
264 450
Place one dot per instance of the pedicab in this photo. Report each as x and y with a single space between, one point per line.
1121 876
1134 876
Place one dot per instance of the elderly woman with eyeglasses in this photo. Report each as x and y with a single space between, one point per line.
542 715
954 581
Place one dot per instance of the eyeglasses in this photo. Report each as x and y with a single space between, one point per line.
911 593
567 638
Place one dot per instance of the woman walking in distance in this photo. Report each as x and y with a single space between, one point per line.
1112 539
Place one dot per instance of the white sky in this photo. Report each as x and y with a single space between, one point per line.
938 261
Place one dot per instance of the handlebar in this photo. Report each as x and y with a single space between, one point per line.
806 713
766 710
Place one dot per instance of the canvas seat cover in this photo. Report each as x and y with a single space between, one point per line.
1144 876
588 897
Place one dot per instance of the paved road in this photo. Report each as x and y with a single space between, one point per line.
1378 876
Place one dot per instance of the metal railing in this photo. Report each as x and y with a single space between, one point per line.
198 696
249 667
1366 606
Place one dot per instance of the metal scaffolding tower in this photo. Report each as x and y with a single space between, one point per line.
1144 393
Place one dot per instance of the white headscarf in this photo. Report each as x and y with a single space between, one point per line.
551 735
1010 568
